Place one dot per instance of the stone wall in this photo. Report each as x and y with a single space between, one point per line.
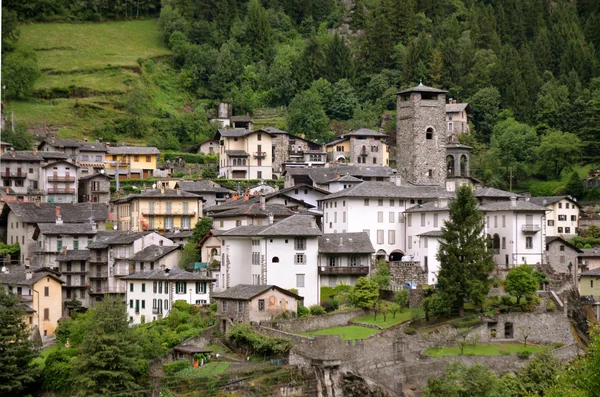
404 272
313 323
356 147
281 143
415 297
542 328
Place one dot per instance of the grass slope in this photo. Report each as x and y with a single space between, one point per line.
347 332
390 320
483 350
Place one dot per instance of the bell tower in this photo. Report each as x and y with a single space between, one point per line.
421 135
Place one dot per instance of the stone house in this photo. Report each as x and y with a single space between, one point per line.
94 188
210 253
156 257
457 118
244 154
69 147
283 253
363 146
158 209
563 215
21 220
295 150
179 237
54 238
344 258
252 304
41 292
59 180
20 175
562 256
74 272
151 294
91 158
209 147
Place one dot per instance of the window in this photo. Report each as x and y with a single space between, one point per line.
131 303
503 243
380 237
591 283
259 174
148 159
435 220
562 217
224 306
550 222
256 258
300 243
259 137
136 158
562 259
429 133
559 205
299 280
261 305
380 217
409 241
425 242
143 287
573 218
180 287
529 242
344 217
335 217
560 229
392 217
200 287
241 307
374 160
392 202
495 221
503 220
59 244
154 285
391 237
160 287
409 220
422 219
130 287
366 202
299 259
567 230
46 315
380 202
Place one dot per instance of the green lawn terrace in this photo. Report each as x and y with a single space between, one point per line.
484 349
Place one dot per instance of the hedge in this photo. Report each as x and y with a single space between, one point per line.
176 366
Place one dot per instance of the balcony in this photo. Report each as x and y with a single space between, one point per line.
106 290
74 272
156 310
363 152
98 260
56 190
17 175
352 270
61 178
530 228
121 272
75 285
102 274
260 155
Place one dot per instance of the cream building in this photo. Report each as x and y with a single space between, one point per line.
244 154
362 146
134 162
563 216
158 209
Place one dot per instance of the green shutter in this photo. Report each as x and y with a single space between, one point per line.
143 287
131 303
130 287
143 304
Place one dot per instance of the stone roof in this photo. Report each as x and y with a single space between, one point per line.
593 272
346 178
174 274
431 233
67 228
255 208
234 132
422 88
60 162
84 178
20 278
299 187
391 190
227 205
178 234
430 206
456 107
93 147
517 205
72 255
236 153
590 252
321 175
53 155
46 212
201 186
340 243
364 132
247 292
167 193
104 239
241 118
273 130
62 142
547 200
154 252
458 146
493 192
139 150
551 239
19 155
295 225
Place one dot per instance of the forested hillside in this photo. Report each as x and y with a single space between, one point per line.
528 68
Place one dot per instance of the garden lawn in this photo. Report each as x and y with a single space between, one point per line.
213 368
483 350
390 320
347 332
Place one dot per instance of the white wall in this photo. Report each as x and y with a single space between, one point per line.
570 211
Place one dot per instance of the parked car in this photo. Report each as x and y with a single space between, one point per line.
410 285
587 299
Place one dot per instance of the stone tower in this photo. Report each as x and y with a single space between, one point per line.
421 135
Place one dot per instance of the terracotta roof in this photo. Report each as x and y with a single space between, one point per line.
339 243
247 292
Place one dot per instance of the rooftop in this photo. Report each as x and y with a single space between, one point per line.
322 175
20 278
154 252
430 206
494 193
391 190
431 233
422 88
93 147
143 150
247 292
456 107
104 239
166 193
174 274
19 155
593 272
547 200
340 243
62 142
202 186
233 132
590 252
72 255
295 225
510 205
67 228
365 132
254 208
237 153
46 212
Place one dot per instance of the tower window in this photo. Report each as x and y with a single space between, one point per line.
430 173
429 133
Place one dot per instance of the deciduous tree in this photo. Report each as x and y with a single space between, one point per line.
521 281
364 293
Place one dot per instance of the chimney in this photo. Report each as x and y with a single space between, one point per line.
199 177
178 190
235 197
85 139
271 219
162 190
442 202
313 222
12 152
513 201
35 151
337 175
28 274
107 145
341 241
57 212
263 205
53 140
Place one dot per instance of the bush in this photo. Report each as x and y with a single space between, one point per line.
410 331
303 311
243 335
524 354
469 323
176 366
506 300
317 310
330 305
435 305
417 314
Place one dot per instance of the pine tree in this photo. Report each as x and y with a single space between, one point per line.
575 186
108 362
465 261
436 68
258 30
338 60
16 350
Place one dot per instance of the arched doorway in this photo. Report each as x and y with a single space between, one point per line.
380 254
396 256
450 165
464 166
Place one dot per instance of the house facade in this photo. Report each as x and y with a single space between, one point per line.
457 118
59 180
73 265
91 158
287 148
54 238
362 146
131 162
563 215
589 284
21 175
244 154
151 294
344 258
94 188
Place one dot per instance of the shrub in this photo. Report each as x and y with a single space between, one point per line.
213 307
524 354
417 314
175 366
330 305
551 306
410 331
506 300
435 305
469 323
303 311
317 310
243 335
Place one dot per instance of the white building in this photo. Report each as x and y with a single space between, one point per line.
151 294
284 253
344 258
563 216
59 180
244 154
54 238
517 231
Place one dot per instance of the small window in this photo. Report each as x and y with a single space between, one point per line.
224 306
573 218
429 133
562 247
261 305
46 315
366 202
300 243
529 242
299 280
299 259
241 307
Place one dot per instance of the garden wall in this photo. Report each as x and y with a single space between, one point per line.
543 328
313 323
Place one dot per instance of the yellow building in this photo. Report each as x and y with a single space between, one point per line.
133 162
41 293
158 210
589 284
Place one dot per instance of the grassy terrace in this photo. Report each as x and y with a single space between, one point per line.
346 332
390 320
483 350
